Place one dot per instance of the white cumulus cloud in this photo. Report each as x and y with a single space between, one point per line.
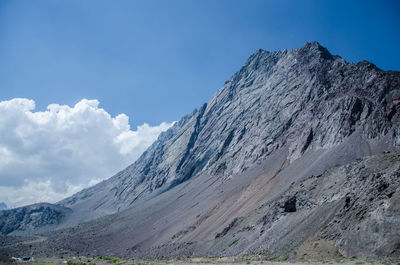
49 155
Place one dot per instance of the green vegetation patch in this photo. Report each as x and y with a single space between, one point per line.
112 259
43 263
70 262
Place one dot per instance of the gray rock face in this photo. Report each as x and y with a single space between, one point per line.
300 99
247 172
32 219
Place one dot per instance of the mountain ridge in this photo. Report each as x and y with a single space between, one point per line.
265 61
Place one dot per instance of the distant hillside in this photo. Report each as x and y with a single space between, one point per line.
30 219
3 206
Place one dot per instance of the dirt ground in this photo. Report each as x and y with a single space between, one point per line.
198 261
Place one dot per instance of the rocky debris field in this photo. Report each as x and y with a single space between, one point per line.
255 260
350 210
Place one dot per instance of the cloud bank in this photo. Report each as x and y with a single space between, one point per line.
49 155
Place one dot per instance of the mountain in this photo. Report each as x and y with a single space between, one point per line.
36 217
3 206
285 155
298 100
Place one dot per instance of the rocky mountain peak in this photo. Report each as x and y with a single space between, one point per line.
295 100
315 49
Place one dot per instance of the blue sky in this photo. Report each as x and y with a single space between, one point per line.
158 60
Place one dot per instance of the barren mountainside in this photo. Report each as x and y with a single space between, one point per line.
300 100
277 161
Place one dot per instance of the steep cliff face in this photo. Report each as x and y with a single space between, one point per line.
257 170
300 100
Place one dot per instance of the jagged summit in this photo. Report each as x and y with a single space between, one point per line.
282 119
313 48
